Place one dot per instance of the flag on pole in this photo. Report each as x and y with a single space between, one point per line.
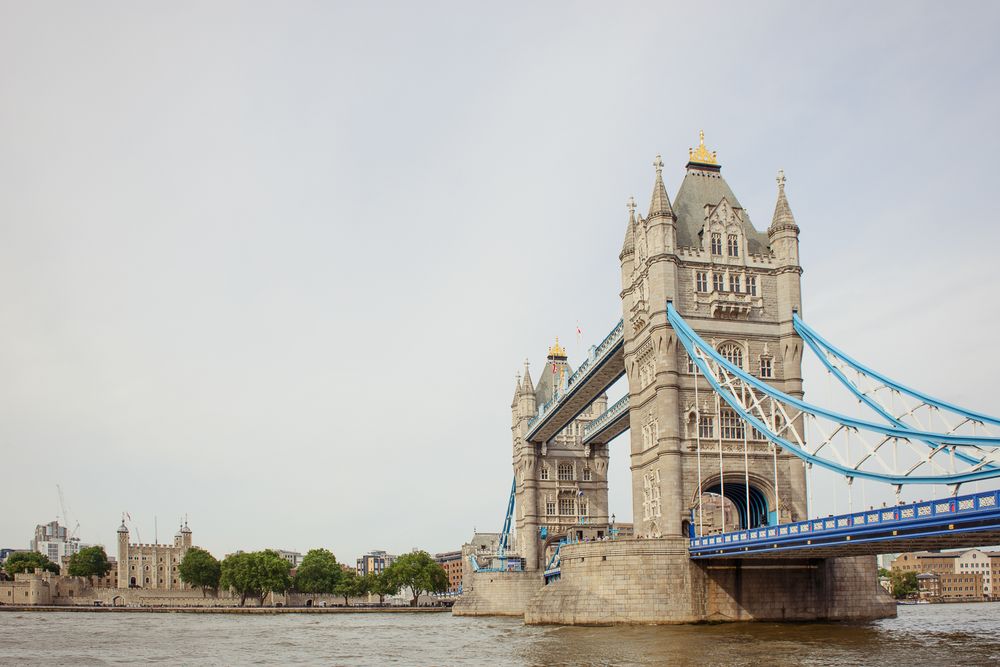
579 334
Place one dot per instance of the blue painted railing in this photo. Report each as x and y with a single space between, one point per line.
597 354
605 418
897 516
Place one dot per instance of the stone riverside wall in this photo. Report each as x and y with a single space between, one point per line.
835 589
654 581
497 593
144 597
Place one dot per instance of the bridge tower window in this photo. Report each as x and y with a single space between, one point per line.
733 243
731 425
586 474
716 243
544 474
734 283
752 285
732 353
706 426
565 472
691 366
766 369
718 282
701 281
584 507
550 508
567 507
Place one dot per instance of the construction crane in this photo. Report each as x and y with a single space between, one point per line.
70 535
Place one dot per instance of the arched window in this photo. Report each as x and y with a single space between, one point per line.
732 353
716 243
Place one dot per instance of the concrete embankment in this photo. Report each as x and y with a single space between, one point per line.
233 610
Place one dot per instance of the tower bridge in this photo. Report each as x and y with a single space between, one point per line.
711 344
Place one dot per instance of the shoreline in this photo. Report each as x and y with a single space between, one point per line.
229 610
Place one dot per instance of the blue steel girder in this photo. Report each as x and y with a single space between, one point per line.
947 523
609 424
704 354
592 379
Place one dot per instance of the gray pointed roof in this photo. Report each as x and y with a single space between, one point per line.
782 211
546 386
701 187
659 203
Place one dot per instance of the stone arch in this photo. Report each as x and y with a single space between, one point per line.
118 601
761 510
309 602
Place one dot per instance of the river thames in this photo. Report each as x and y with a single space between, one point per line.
954 634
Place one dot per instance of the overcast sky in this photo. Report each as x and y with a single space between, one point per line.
275 265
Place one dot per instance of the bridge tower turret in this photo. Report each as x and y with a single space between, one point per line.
738 288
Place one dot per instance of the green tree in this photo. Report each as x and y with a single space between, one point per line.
418 572
200 568
89 562
349 585
319 572
882 572
904 584
381 584
271 573
235 576
27 561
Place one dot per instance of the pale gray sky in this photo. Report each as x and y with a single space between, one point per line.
274 265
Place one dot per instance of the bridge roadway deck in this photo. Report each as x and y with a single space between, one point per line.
947 523
609 425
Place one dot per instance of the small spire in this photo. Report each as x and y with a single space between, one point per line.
659 204
526 385
782 211
628 247
517 389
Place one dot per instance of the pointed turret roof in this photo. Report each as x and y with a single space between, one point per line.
527 387
628 247
659 203
782 211
517 390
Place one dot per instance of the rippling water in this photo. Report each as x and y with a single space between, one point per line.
966 634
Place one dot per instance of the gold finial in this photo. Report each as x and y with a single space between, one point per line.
701 154
557 350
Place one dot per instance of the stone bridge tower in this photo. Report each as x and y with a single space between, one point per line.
738 288
562 485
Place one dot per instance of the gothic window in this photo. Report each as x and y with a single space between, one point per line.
567 507
732 353
565 472
731 425
718 282
701 281
550 508
650 432
716 243
733 243
766 370
734 283
706 426
691 366
544 473
752 285
584 507
755 434
586 474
